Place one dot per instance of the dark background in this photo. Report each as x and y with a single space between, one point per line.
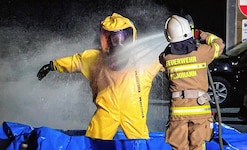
62 15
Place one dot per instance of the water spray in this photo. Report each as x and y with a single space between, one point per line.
143 51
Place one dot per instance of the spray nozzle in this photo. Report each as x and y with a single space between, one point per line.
197 34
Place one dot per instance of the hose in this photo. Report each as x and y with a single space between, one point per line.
190 20
218 110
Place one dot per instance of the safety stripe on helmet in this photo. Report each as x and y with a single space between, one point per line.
187 67
192 110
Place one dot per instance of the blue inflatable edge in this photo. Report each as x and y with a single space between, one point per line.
14 135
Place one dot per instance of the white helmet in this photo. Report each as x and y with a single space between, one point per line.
177 29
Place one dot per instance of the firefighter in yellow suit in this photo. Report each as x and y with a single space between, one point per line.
186 61
120 93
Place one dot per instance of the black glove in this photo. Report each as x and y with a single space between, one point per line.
45 70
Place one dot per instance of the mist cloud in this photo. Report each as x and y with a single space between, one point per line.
59 100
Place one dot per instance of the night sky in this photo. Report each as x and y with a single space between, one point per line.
60 15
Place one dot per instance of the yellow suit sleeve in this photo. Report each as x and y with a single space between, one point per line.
79 62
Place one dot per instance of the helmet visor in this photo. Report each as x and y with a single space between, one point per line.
118 37
113 40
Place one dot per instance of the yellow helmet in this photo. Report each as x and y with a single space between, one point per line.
116 29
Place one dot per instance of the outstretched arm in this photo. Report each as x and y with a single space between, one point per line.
76 63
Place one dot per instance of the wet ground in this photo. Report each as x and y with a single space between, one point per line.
230 117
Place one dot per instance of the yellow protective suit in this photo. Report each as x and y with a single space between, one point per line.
121 97
189 122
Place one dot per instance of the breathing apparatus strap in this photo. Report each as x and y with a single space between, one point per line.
139 92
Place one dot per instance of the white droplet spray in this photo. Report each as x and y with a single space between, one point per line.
143 51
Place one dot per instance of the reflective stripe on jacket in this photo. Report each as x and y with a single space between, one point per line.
189 71
191 110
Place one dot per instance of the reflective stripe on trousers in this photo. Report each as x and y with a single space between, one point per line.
191 110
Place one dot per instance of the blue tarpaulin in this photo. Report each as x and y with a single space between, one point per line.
13 135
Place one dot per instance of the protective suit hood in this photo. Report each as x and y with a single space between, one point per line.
116 22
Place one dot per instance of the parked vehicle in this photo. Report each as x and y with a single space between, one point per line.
229 74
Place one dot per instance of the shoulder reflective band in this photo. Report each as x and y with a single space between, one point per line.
211 37
193 110
187 67
216 49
